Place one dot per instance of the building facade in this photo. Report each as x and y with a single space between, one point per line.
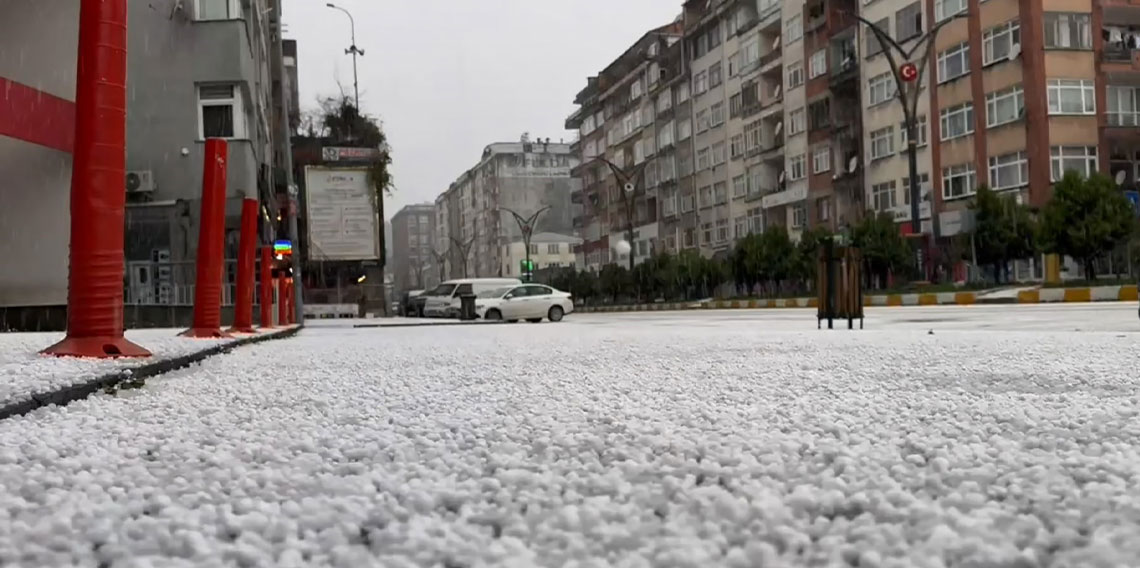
474 217
413 235
228 85
547 251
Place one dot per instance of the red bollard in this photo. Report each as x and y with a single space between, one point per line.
247 250
95 272
266 286
290 316
211 245
282 303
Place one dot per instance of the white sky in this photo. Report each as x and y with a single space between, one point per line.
448 77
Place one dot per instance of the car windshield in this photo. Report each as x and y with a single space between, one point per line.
496 293
442 290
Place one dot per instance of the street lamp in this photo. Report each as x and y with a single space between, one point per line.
526 227
352 50
465 249
628 183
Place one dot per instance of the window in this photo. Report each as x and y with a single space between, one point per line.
883 196
638 152
635 89
1004 106
735 105
1080 159
721 230
220 112
823 209
718 154
684 130
756 181
954 62
751 54
1123 107
821 160
1009 171
533 249
793 29
669 205
908 22
874 46
1071 96
799 216
702 159
720 192
882 143
707 232
702 121
957 121
553 248
740 226
739 186
817 65
664 101
736 146
688 238
717 117
880 88
733 64
687 202
797 168
923 188
716 75
958 181
795 75
682 93
946 8
796 122
218 10
665 136
700 82
668 167
756 220
1067 31
819 114
998 42
919 127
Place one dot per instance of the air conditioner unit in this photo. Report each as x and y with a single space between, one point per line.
140 181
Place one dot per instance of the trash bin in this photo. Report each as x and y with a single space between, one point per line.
467 307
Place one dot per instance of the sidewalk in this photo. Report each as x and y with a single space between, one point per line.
29 380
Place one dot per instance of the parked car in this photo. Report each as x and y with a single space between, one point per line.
444 300
530 302
408 305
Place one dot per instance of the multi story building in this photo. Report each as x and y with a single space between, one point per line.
547 250
228 85
413 233
474 216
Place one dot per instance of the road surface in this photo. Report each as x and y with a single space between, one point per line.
700 439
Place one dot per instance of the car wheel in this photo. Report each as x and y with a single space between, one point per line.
493 315
555 313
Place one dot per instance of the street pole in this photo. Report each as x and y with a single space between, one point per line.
526 227
292 194
628 182
352 50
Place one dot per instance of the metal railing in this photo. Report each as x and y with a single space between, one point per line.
172 283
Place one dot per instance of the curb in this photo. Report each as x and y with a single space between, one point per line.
414 326
66 395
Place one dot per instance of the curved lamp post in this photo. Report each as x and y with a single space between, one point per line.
352 50
629 182
526 227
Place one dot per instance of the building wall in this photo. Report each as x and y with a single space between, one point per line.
413 235
542 257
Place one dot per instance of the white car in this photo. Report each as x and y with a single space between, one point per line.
531 302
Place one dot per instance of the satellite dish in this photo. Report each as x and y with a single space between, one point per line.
779 127
1014 51
782 175
1120 177
776 92
853 163
776 43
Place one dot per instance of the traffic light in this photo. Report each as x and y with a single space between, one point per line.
526 266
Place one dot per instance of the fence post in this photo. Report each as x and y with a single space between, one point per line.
210 263
282 301
247 251
266 286
95 271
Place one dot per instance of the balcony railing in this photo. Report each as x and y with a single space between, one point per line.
771 56
1124 119
815 23
1117 54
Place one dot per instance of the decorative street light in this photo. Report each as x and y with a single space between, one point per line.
465 249
908 85
526 226
629 182
352 50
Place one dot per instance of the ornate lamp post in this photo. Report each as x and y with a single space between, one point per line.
464 248
629 182
526 227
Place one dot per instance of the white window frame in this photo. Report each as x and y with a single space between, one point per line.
684 130
736 146
1014 95
1123 104
795 75
739 186
817 64
821 159
665 136
944 9
797 167
716 115
923 133
1008 34
793 29
797 121
799 215
969 180
1057 88
1059 155
961 52
884 196
882 143
702 120
719 154
1063 24
232 6
1018 162
236 104
880 89
702 159
720 192
964 112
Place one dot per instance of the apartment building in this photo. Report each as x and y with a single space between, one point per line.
412 236
473 217
547 250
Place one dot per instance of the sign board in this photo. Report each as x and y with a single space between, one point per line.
956 222
340 154
1134 199
341 219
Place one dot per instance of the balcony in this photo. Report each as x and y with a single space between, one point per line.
1121 65
845 74
815 23
785 197
768 60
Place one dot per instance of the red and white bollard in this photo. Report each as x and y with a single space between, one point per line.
211 245
266 287
282 301
247 251
95 272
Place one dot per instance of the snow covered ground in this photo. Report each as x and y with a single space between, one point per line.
691 439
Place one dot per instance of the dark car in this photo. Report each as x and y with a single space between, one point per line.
412 304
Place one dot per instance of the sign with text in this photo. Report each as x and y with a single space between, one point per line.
341 154
341 219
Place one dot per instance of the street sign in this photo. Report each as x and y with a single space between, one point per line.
908 72
1134 198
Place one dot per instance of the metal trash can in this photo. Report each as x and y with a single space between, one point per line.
467 307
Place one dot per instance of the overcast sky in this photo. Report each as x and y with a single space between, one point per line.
448 77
